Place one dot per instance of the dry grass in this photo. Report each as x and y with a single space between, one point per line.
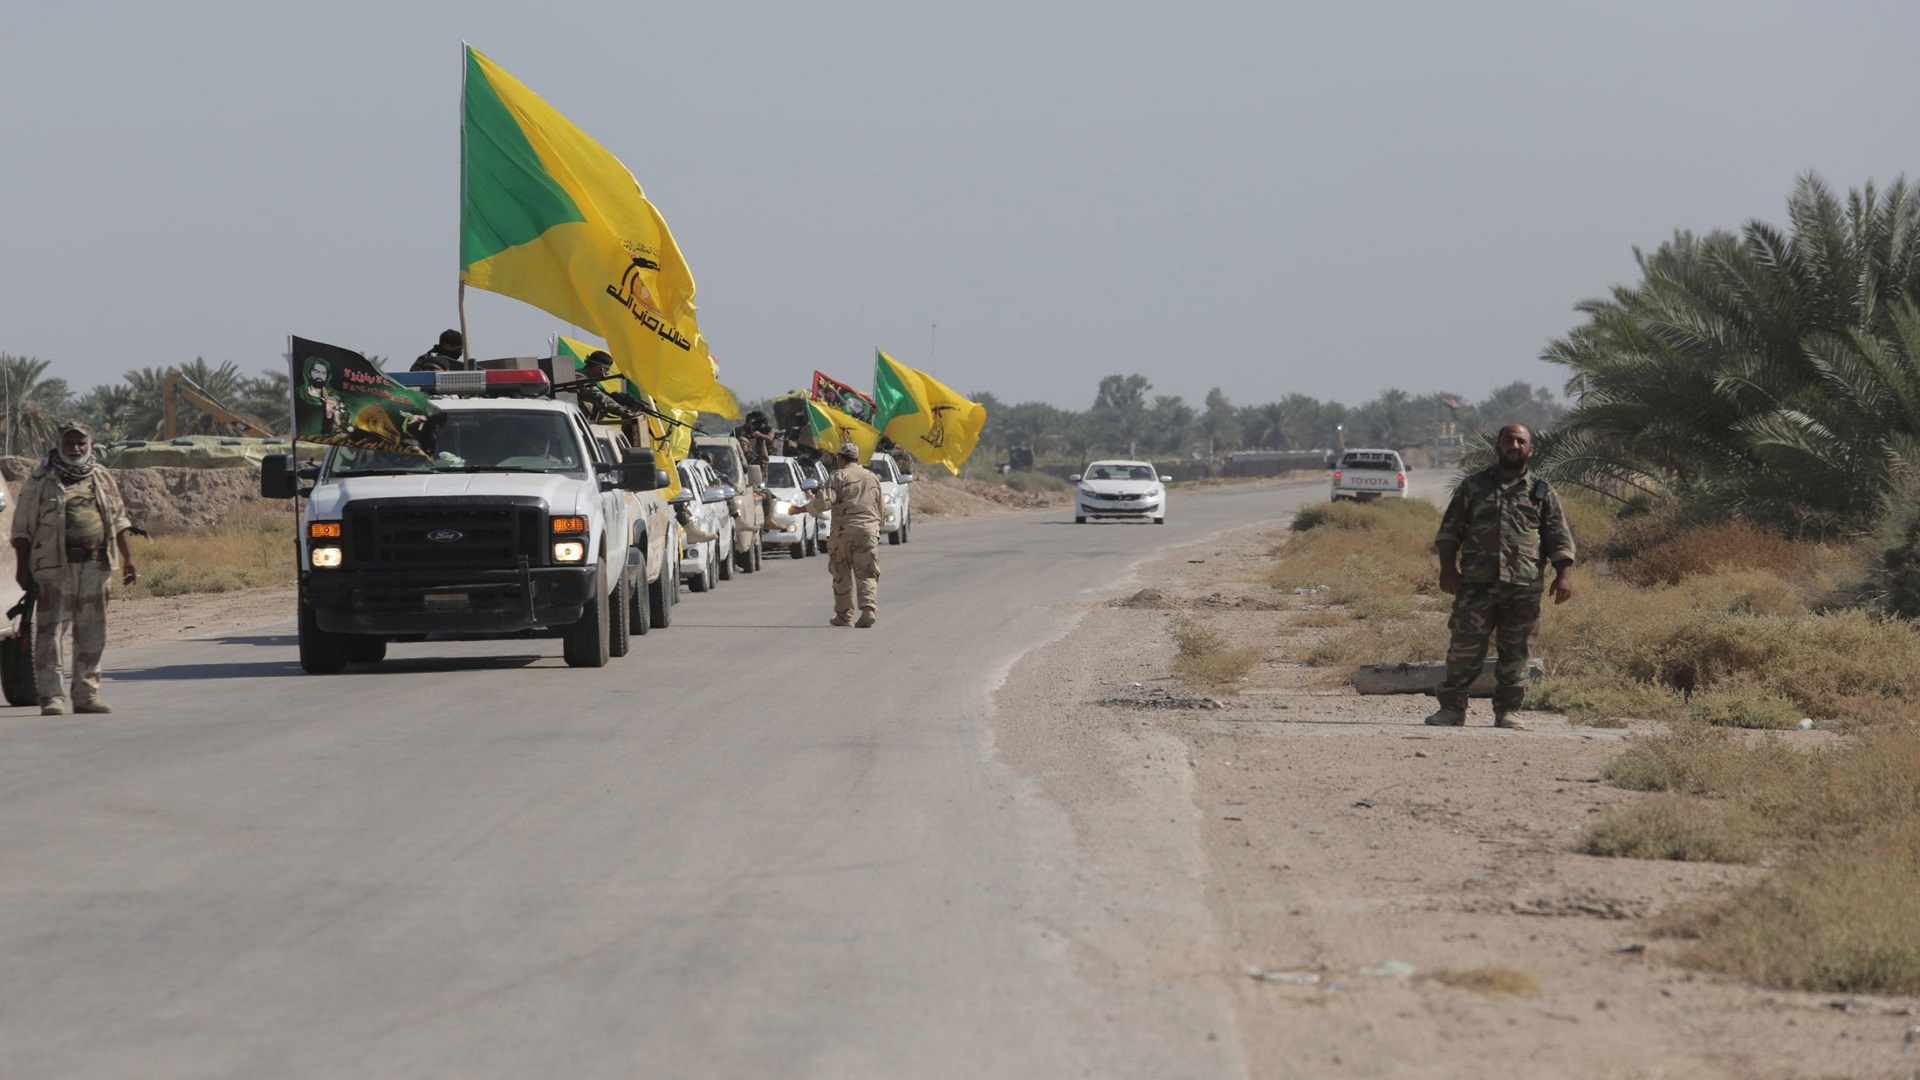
1703 549
1490 981
1843 911
1383 642
1684 828
243 552
1206 658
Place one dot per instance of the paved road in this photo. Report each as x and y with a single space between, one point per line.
757 846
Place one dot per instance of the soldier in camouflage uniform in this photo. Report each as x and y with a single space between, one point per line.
1504 526
70 534
853 547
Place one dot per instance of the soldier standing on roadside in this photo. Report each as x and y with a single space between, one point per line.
1505 526
69 536
853 546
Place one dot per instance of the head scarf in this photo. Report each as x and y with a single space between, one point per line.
68 473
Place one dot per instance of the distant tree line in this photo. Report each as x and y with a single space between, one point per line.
1127 419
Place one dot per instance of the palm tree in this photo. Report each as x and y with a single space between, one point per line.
1770 373
30 405
108 407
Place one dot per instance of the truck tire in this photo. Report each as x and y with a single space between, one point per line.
800 545
893 537
639 619
813 542
366 649
759 552
321 652
619 607
584 644
17 678
906 528
663 594
724 558
1079 519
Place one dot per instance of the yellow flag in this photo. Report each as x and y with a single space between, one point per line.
549 217
831 427
921 414
719 401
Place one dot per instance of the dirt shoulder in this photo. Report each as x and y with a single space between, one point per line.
146 620
1361 873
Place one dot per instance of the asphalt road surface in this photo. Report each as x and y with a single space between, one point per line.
756 846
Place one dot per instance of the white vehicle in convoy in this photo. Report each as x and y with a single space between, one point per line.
896 500
656 534
516 524
1120 489
704 563
1365 475
791 486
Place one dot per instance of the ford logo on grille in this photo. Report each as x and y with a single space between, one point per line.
446 536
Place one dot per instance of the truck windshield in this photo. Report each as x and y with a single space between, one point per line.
479 441
882 467
780 475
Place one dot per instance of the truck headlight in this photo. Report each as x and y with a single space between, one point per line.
324 558
569 551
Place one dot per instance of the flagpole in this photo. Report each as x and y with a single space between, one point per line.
465 349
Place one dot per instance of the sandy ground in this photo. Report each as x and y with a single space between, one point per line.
1278 846
1352 859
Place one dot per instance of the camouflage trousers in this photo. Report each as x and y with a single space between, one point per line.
854 562
1505 613
72 599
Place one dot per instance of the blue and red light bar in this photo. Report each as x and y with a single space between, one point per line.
475 383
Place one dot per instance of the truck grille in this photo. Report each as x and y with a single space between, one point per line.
439 534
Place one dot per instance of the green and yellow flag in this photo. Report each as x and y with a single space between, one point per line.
919 412
831 427
670 442
549 217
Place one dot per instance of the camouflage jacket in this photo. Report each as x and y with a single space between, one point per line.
1508 531
41 518
855 502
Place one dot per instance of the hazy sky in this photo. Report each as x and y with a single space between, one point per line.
1332 198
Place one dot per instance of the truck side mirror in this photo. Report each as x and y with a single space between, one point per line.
756 476
278 480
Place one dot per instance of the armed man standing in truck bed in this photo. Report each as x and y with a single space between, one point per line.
1505 525
853 547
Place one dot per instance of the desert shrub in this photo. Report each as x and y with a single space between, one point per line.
1403 516
1592 519
1683 828
1701 549
1844 917
1742 701
1589 698
1896 574
1205 656
1383 642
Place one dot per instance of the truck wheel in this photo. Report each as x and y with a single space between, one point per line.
1079 519
759 552
619 607
893 537
813 542
321 653
584 644
906 529
639 619
661 595
800 546
725 558
17 678
366 649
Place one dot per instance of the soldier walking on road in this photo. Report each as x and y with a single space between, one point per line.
853 546
70 534
1505 526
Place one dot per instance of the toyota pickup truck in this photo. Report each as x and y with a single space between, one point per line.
516 524
1365 475
656 535
748 502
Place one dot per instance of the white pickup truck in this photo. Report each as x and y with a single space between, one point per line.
1364 475
517 524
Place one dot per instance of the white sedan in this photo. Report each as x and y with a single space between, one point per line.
1120 489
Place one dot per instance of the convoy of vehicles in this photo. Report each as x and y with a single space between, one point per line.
1365 475
895 498
790 485
1120 489
655 537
